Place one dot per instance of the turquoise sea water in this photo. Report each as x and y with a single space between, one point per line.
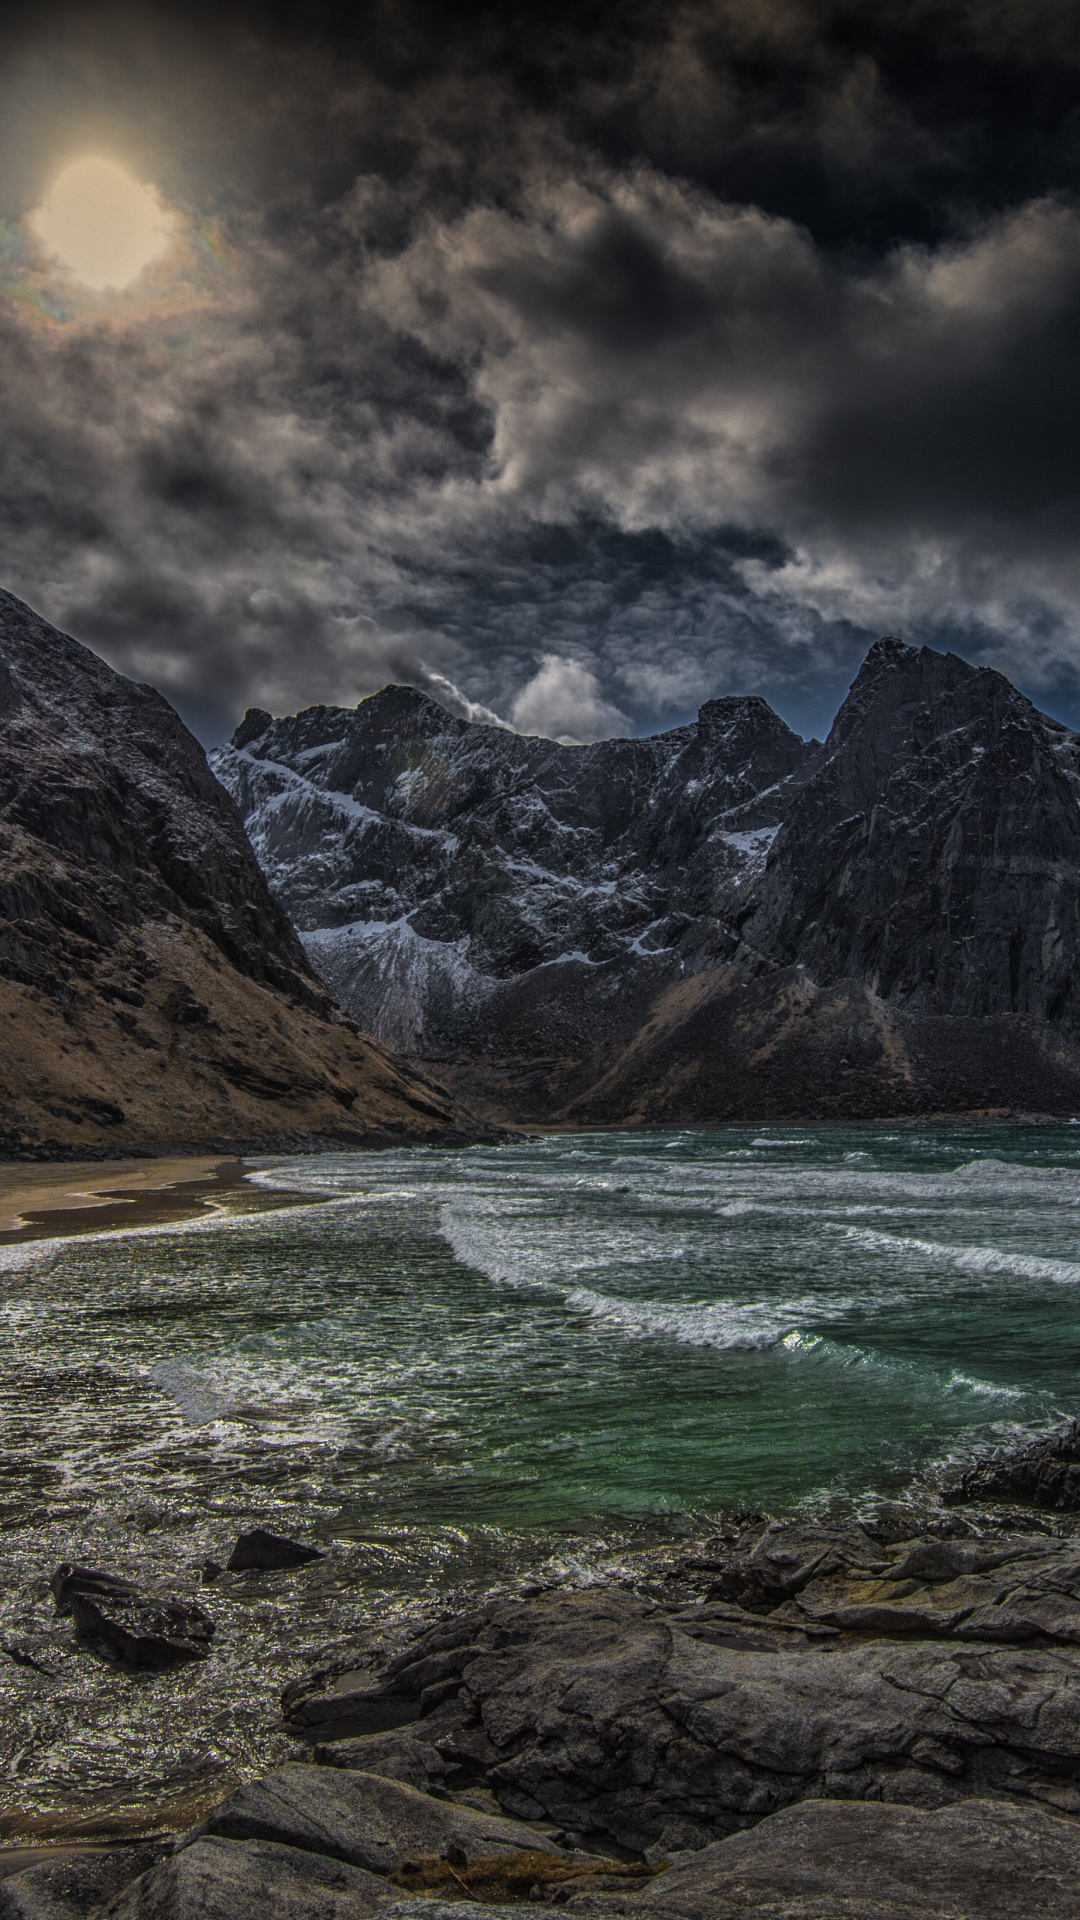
456 1365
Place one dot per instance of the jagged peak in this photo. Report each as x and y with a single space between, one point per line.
746 711
397 696
890 650
896 675
252 727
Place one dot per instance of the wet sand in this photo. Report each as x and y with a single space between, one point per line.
38 1202
58 1836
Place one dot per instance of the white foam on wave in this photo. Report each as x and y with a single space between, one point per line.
476 1241
983 1389
1027 1266
913 1377
24 1255
551 1255
200 1397
722 1324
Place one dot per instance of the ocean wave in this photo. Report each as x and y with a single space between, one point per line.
723 1325
478 1243
928 1383
983 1389
1027 1266
200 1397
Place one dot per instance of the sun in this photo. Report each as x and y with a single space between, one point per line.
102 226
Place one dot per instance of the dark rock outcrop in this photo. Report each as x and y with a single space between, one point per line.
1046 1473
922 1674
69 1581
259 1551
131 1629
152 992
148 1636
112 1618
890 1732
718 923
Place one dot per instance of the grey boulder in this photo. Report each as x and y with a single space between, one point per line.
215 1879
362 1818
838 1860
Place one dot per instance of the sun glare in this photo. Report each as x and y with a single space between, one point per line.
101 225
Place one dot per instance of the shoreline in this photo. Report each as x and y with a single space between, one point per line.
40 1201
50 1199
979 1577
82 1198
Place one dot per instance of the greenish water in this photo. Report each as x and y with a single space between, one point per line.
459 1360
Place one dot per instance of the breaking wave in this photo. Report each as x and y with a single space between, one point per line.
1026 1266
722 1324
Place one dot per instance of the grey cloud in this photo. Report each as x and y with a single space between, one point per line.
483 399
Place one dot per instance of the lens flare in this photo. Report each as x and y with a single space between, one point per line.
102 226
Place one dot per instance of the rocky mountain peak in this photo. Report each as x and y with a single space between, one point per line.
936 854
152 988
462 886
717 921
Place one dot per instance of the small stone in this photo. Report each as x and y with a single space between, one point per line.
262 1552
148 1637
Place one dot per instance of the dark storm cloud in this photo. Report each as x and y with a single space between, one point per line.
575 366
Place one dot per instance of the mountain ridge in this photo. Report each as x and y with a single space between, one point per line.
720 922
153 994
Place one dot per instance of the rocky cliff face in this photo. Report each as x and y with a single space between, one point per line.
936 856
152 991
717 923
509 906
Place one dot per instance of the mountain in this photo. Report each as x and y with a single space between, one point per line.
718 923
509 907
152 991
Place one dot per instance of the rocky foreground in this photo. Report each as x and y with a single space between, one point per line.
792 1721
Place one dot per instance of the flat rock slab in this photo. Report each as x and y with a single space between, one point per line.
69 1888
841 1860
214 1879
362 1818
662 1729
395 1756
359 1711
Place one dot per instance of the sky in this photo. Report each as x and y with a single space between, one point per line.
577 363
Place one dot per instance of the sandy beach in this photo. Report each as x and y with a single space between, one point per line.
89 1196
